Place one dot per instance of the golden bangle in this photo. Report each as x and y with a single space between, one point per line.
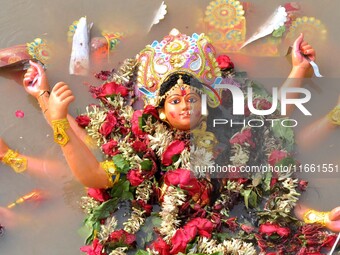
111 172
312 216
17 163
59 131
334 115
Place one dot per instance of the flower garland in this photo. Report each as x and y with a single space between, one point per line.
195 212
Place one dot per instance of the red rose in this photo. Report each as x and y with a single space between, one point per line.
224 62
270 229
179 241
108 125
98 194
139 146
276 156
110 148
136 130
83 120
204 227
177 177
161 246
111 88
134 177
95 249
149 109
243 137
121 236
174 148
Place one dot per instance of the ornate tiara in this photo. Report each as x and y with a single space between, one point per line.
177 53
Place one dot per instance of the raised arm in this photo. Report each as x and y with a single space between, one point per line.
36 84
300 68
67 133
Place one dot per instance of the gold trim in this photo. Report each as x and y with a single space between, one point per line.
312 216
59 131
17 163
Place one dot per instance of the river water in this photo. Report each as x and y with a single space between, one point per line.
50 226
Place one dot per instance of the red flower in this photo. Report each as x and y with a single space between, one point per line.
270 229
177 177
303 185
95 249
276 156
179 241
204 227
121 236
110 148
224 62
98 194
174 148
161 246
136 130
134 177
183 236
244 137
149 109
83 120
108 125
139 146
111 88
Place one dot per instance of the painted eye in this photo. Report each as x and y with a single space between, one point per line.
175 101
192 100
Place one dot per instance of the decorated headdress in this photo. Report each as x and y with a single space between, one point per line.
177 53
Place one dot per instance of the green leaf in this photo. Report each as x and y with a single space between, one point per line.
246 194
279 32
122 165
105 209
284 133
267 181
253 199
289 161
142 252
175 158
120 188
146 165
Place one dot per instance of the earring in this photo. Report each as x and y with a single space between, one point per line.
162 115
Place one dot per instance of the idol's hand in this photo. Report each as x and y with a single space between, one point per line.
35 81
333 222
59 101
3 148
301 51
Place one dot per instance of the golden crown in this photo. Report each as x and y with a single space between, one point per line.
193 55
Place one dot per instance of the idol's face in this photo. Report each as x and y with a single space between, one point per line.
182 108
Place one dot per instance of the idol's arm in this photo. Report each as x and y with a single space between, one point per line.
35 166
54 106
300 70
36 84
80 159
